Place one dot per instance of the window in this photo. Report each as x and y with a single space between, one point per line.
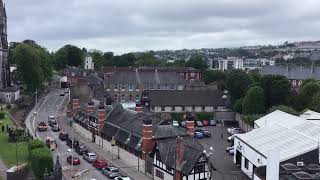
192 74
173 108
199 168
294 83
159 86
246 163
162 108
137 98
130 87
159 174
193 108
172 86
151 86
300 82
203 108
130 98
108 87
137 87
123 87
116 87
123 97
183 108
146 86
149 167
115 97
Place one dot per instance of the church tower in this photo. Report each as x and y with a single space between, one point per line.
4 49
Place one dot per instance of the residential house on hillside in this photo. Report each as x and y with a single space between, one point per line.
144 141
185 100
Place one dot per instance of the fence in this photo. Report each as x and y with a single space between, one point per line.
242 124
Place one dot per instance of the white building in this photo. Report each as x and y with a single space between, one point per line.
296 139
239 63
88 63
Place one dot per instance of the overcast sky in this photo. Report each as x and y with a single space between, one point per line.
138 25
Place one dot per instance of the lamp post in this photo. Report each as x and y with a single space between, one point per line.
208 162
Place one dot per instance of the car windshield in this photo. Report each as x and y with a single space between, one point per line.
115 170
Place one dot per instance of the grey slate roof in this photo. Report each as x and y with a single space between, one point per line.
185 97
145 77
93 79
169 131
295 73
192 152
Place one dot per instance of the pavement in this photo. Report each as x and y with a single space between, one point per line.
223 162
3 170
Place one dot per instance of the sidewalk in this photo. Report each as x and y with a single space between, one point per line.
3 170
129 171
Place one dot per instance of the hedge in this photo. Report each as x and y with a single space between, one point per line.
35 144
41 160
204 116
2 115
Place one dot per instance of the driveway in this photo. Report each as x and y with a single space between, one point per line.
226 169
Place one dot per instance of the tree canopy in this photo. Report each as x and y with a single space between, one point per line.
253 102
197 62
237 83
68 55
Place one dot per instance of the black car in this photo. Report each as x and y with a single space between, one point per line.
63 136
205 132
81 150
75 143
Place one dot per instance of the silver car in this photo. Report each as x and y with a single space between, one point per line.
111 172
90 157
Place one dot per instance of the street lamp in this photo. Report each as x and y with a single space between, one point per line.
208 162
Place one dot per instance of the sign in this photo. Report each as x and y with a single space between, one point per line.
113 141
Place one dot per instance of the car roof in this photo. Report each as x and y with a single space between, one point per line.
90 153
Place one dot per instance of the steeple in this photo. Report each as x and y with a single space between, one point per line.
4 11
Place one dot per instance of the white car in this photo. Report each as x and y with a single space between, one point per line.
229 148
233 129
90 157
122 178
231 152
175 123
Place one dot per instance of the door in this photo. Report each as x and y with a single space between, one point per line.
238 157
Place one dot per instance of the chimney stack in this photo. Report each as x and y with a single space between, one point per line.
90 107
147 140
179 157
101 117
190 124
273 163
75 105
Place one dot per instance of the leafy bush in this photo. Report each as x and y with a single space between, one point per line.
9 106
35 144
41 160
237 107
251 118
177 116
2 115
253 102
204 116
18 134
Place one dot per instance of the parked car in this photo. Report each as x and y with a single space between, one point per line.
72 141
233 128
90 157
111 172
42 126
122 178
175 123
183 124
230 138
236 131
205 122
231 151
51 143
81 150
51 120
63 136
205 132
212 122
229 148
74 159
199 124
55 127
100 164
198 135
62 94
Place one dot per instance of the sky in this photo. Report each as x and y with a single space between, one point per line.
124 26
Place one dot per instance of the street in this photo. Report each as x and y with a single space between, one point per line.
51 105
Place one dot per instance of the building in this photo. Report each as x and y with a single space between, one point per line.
143 140
76 76
296 75
8 92
240 63
126 86
279 139
180 101
88 63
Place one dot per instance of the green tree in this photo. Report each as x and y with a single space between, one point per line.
237 83
253 102
284 108
41 160
307 81
98 58
196 61
210 76
237 107
308 91
315 103
147 59
68 55
276 89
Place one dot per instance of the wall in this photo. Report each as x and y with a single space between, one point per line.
167 176
243 125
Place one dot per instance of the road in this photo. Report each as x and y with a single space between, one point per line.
50 106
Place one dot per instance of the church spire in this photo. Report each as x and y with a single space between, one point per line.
4 10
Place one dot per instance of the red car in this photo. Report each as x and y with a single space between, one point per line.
100 164
205 122
75 159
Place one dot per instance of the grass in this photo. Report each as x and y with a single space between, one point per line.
8 150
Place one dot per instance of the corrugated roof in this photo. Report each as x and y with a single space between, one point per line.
310 115
290 142
278 117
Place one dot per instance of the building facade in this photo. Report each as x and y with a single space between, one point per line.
88 63
239 63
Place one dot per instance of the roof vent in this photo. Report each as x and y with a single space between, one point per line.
313 167
300 164
302 175
290 167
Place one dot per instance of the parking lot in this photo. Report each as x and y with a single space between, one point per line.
223 162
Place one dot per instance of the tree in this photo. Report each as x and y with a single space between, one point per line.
68 55
41 161
307 81
197 62
34 64
237 83
315 103
308 91
276 89
147 59
253 102
284 108
237 107
210 76
98 58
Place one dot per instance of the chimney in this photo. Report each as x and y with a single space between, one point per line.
147 141
190 124
90 107
101 116
179 158
75 105
139 109
273 163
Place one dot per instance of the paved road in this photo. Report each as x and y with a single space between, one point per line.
51 105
